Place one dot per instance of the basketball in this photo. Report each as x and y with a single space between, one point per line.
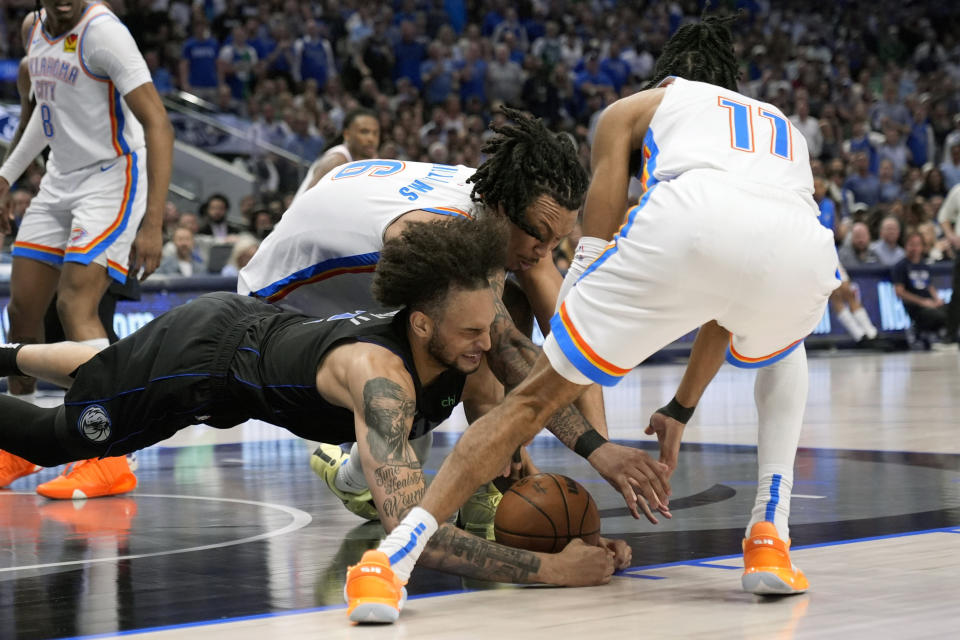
544 512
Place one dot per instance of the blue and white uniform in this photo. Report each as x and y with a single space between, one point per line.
320 258
726 229
93 195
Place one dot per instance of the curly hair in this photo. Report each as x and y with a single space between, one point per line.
702 51
525 161
417 269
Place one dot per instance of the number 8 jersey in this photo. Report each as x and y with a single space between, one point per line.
79 79
703 126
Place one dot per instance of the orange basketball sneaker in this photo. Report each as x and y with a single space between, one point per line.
13 467
373 593
767 566
91 479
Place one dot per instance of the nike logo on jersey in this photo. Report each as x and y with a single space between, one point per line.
109 166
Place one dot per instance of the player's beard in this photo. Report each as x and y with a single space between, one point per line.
437 350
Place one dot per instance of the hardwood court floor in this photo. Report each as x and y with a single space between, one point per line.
230 535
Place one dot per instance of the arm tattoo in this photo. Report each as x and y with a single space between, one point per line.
388 412
511 358
456 551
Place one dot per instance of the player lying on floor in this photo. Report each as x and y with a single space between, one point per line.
377 379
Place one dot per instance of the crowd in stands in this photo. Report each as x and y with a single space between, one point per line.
874 87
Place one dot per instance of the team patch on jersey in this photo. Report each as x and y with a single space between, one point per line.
70 43
94 423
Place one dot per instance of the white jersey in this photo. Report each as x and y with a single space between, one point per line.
340 148
703 126
320 258
79 79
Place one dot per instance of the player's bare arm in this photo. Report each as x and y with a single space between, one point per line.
610 160
487 444
326 165
382 395
706 358
144 102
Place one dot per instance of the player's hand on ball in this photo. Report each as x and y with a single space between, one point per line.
642 481
622 553
583 565
669 433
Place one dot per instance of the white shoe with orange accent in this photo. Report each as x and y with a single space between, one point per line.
767 567
373 593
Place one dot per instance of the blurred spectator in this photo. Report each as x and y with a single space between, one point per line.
828 209
920 140
889 186
592 81
809 127
933 184
548 47
162 79
615 67
236 64
243 251
198 63
171 218
472 74
303 139
408 53
895 150
215 223
890 110
280 58
858 251
263 222
504 80
912 283
864 186
185 261
949 218
935 249
886 247
436 74
861 141
268 129
951 167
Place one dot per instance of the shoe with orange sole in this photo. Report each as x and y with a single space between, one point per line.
767 567
13 467
91 479
373 593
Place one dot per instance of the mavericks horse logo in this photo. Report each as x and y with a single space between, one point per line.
94 423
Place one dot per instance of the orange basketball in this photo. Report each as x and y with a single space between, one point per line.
544 512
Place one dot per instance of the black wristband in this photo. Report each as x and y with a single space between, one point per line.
677 411
8 360
588 443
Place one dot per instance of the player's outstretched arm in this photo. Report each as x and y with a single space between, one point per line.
511 357
706 358
384 409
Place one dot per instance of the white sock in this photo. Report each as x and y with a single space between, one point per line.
405 543
781 395
864 321
97 343
350 476
850 324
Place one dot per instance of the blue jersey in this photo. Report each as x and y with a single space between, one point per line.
828 213
201 56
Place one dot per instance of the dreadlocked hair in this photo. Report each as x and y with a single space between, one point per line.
418 269
525 161
702 52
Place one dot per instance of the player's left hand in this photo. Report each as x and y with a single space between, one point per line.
622 553
669 433
145 252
